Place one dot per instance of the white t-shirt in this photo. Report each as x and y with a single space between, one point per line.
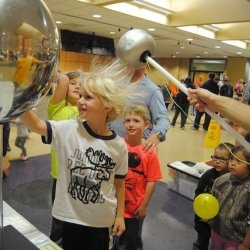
88 165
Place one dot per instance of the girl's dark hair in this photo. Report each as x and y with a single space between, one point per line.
244 151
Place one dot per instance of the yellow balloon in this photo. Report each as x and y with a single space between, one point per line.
206 206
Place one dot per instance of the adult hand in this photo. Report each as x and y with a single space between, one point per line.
202 99
151 143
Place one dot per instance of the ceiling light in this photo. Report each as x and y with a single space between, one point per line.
58 22
182 47
153 7
177 52
217 47
198 31
97 16
214 61
151 29
211 27
239 53
236 43
112 32
190 39
205 52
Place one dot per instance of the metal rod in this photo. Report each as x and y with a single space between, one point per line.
181 86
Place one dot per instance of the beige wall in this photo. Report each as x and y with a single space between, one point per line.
71 61
178 67
235 69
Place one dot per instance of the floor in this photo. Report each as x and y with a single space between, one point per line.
169 224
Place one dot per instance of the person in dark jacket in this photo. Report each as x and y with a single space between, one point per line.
212 86
220 161
182 104
227 89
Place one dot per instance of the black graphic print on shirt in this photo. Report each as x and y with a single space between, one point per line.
134 161
87 171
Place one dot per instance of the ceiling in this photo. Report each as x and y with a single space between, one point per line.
230 18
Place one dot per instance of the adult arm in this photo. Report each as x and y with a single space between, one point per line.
36 61
34 123
142 209
119 225
159 118
236 111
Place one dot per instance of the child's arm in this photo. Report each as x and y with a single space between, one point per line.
119 225
141 212
61 89
34 123
246 242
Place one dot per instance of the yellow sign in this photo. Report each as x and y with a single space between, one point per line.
213 135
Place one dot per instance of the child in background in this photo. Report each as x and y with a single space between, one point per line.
62 106
230 228
90 188
143 172
22 134
220 161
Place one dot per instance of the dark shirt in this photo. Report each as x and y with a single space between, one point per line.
211 86
226 90
181 99
205 186
206 181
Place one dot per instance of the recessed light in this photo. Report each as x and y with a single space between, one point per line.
239 53
97 16
151 29
190 39
217 47
205 52
112 32
58 22
182 47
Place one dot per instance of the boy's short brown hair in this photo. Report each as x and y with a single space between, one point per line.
138 109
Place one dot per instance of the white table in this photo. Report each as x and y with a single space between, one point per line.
39 239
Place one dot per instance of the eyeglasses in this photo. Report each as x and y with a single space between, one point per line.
216 158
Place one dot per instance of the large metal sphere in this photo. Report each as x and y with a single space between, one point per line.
133 45
29 47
